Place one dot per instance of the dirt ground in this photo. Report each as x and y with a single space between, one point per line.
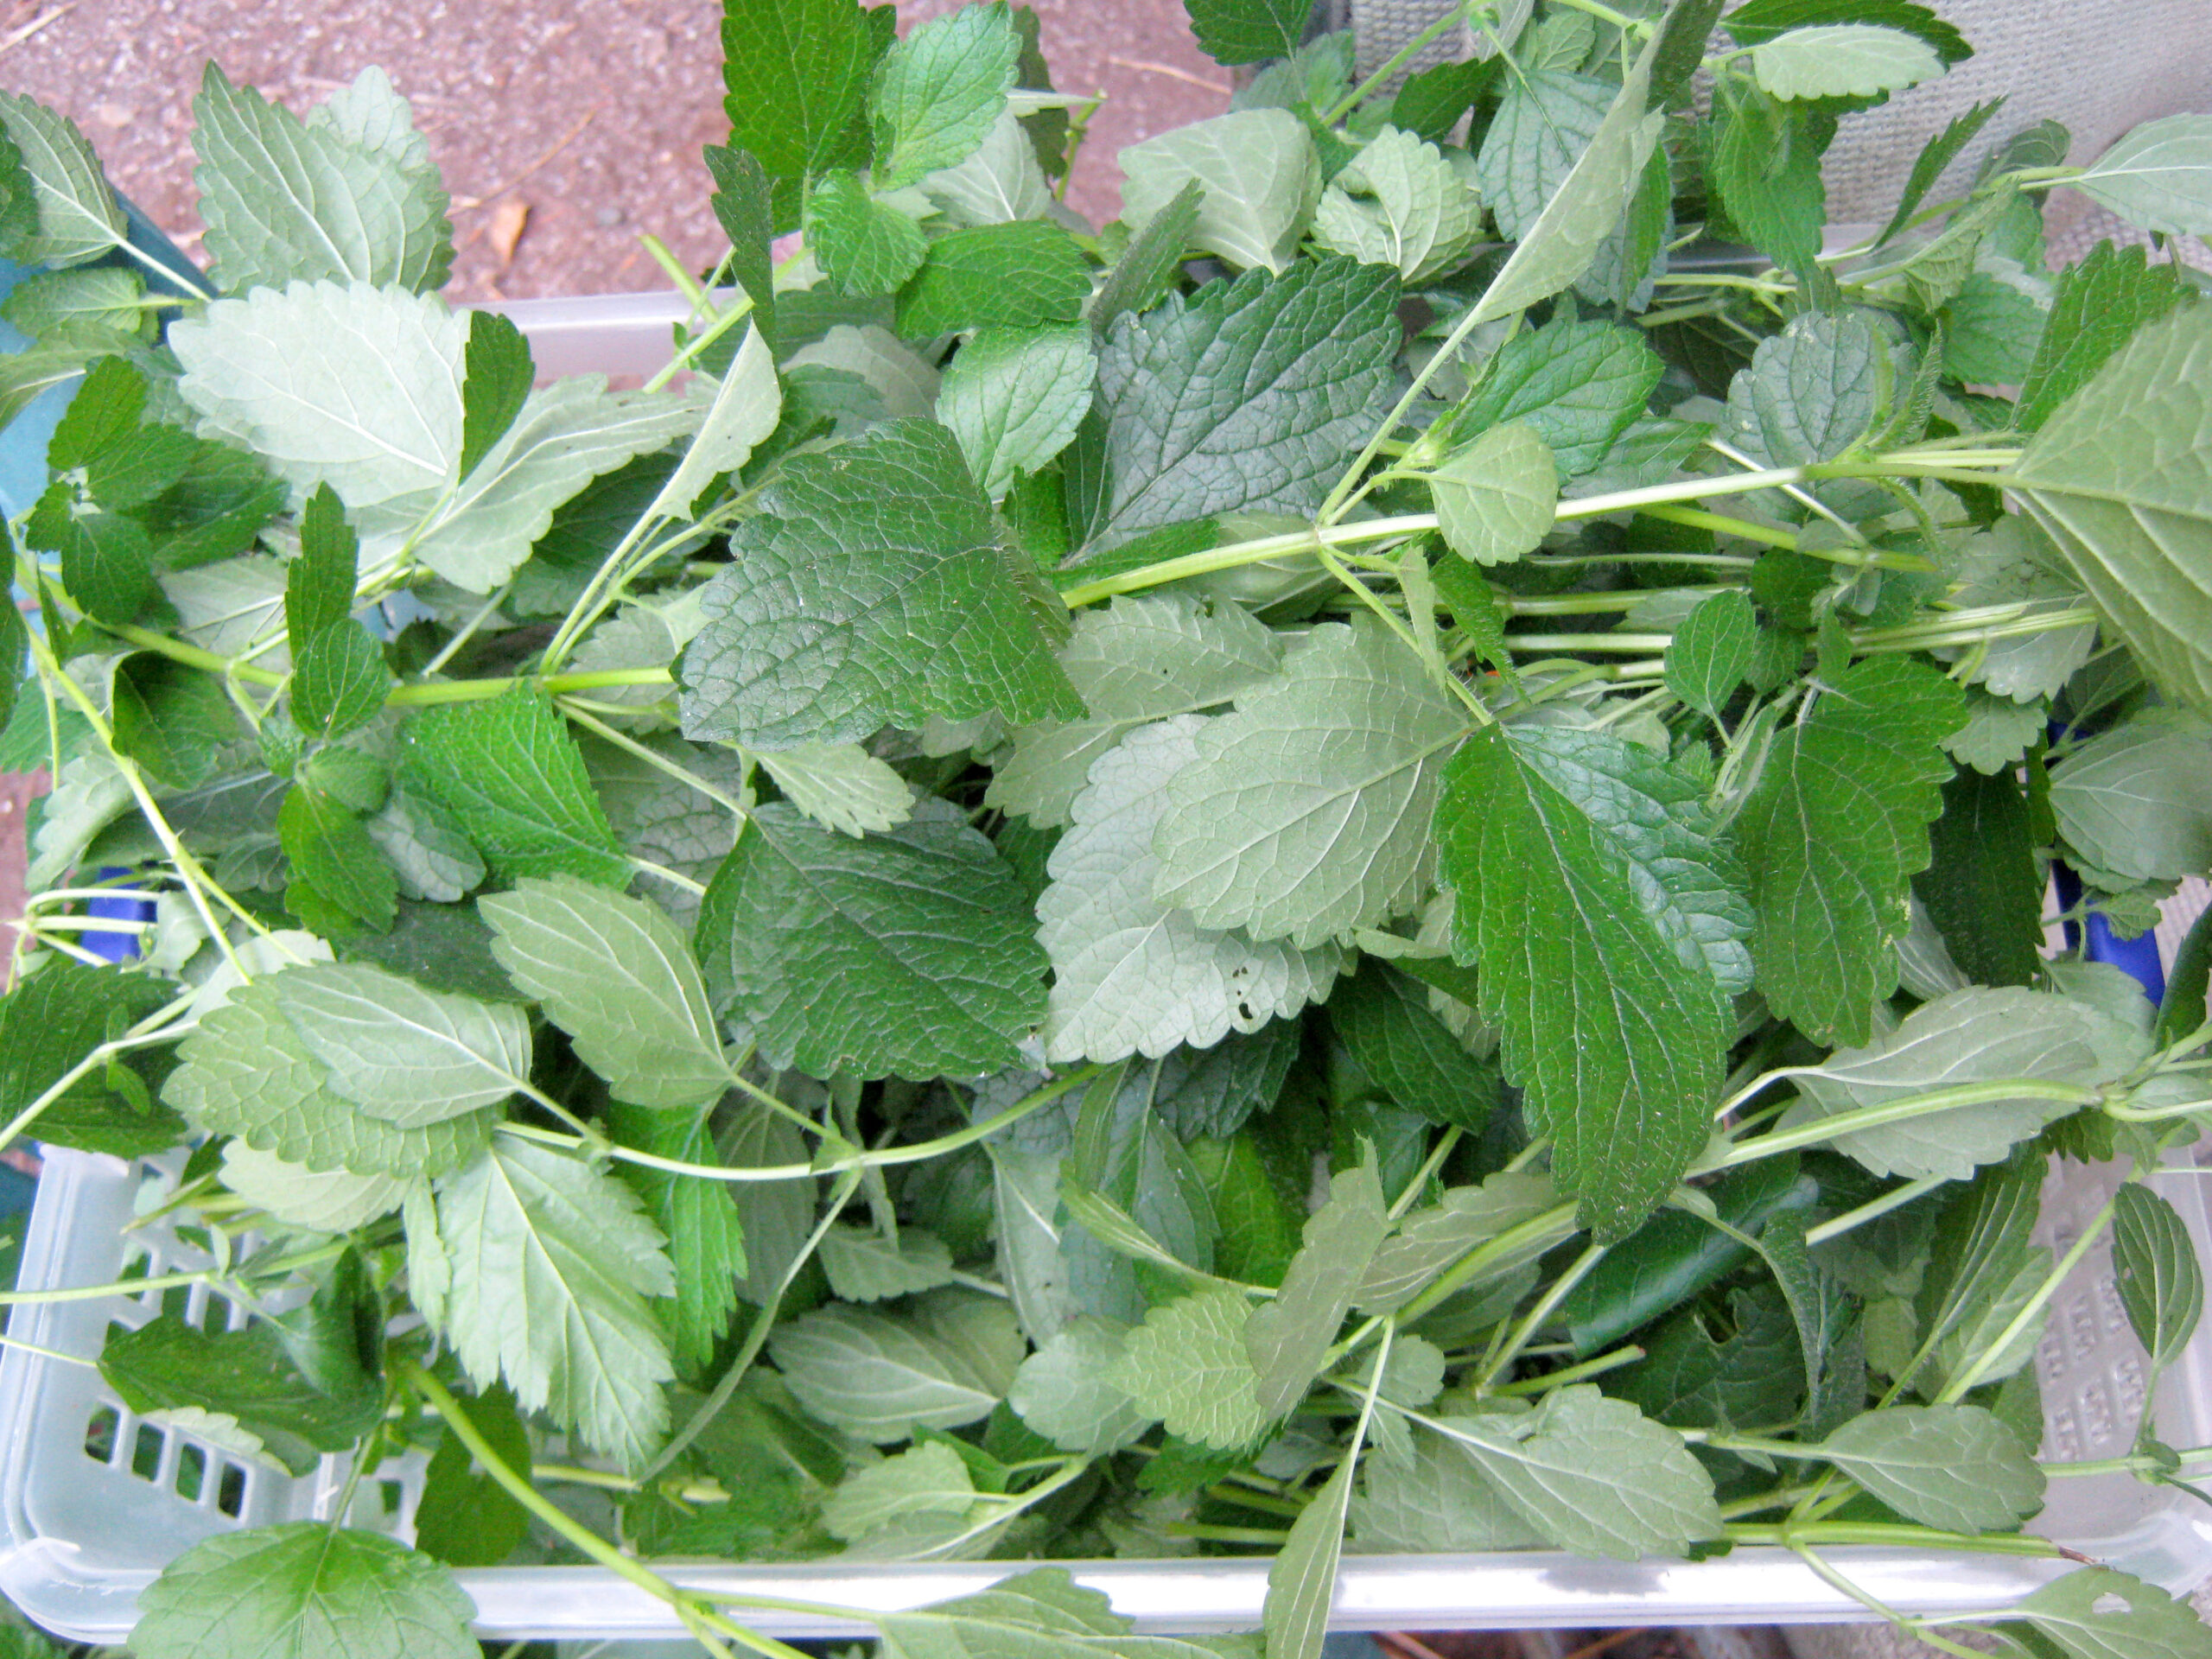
565 130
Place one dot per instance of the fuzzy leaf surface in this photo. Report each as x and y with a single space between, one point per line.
1186 1364
405 1053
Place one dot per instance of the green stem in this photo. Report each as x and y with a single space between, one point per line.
1887 1533
1531 1322
1837 1226
1722 524
1398 60
1967 1375
1899 1111
1561 1379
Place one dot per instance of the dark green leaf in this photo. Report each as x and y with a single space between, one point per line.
1247 31
18 199
244 1374
1383 1019
1759 21
1832 834
332 857
1248 397
339 681
176 721
2154 1263
498 372
1614 1021
319 584
1711 652
2188 984
743 206
1149 265
466 1518
910 952
1983 888
1018 276
706 1238
871 590
2099 304
107 560
798 71
940 92
511 773
1212 1091
102 413
1431 103
1766 168
1937 154
214 510
865 246
1577 385
1681 46
49 1022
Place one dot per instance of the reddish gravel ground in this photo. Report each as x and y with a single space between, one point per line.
565 130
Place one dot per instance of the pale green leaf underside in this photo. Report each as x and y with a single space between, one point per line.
78 216
1956 1468
1014 398
1258 174
1494 498
1187 1366
403 1052
1842 61
2159 177
881 1375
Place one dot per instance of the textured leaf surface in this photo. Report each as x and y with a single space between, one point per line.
1015 399
2159 177
1305 813
1399 202
1287 1338
798 72
1302 1579
300 1590
1978 1035
511 773
1614 1014
1131 973
2154 1263
2099 304
2121 477
1383 1018
907 952
551 1263
1247 31
1496 497
939 91
946 1361
1953 1467
614 974
1186 1364
1842 61
1712 649
1595 1475
873 590
1142 657
403 1052
1025 275
2138 800
1248 396
1811 392
842 786
1833 833
2096 1613
700 1221
1577 385
287 200
867 1266
1257 175
865 246
1065 1390
78 216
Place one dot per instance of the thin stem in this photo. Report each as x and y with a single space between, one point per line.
1561 1379
1837 1226
1512 1242
1238 554
1430 1164
1722 524
1398 60
1897 1111
446 651
653 758
1556 1293
1967 1375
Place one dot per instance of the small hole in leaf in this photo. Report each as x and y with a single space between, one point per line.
2109 1603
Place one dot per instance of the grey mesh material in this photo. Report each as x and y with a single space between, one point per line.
2099 67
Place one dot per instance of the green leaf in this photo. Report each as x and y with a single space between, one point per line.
1302 1579
1759 21
1147 269
1288 1340
1305 813
2098 306
1231 32
1842 61
1494 498
430 857
1832 834
299 1590
465 1518
1593 1475
339 681
1956 1468
2137 800
865 246
1023 275
1186 1364
497 373
744 208
2154 1263
1142 658
244 1072
18 206
331 857
1211 1092
551 1263
1431 1497
319 584
410 1056
909 952
2114 476
1766 168
107 560
864 1265
79 303
1811 392
930 1480
1994 322
839 617
1258 176
614 974
1383 1019
747 405
292 200
1039 1614
1577 385
1544 122
1131 972
330 1201
939 91
2076 1613
1248 397
1400 203
78 217
1065 1393
841 786
510 771
1978 1035
1983 888
947 1359
1014 400
1614 1014
701 1221
2159 177
246 1375
1711 652
178 724
797 75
